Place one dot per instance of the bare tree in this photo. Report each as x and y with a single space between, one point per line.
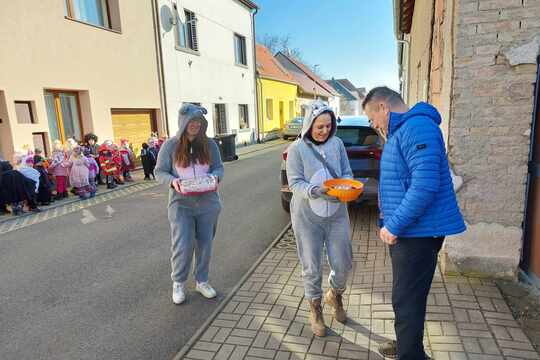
283 44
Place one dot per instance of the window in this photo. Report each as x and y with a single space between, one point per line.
40 142
357 136
244 117
95 12
24 112
291 109
240 49
63 114
220 119
269 109
186 31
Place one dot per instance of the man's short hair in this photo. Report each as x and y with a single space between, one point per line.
384 94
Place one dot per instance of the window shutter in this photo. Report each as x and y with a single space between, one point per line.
193 26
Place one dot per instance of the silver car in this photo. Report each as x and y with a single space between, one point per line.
293 128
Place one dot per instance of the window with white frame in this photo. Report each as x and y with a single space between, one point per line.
186 30
240 49
220 119
243 116
95 12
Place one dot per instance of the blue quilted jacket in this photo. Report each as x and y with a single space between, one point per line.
417 197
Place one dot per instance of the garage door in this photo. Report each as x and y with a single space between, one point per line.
134 125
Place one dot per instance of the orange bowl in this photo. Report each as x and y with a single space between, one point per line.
344 189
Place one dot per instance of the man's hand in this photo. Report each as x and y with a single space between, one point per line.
387 237
176 184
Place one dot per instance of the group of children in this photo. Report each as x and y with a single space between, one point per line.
82 166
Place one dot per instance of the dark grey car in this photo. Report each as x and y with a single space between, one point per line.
364 149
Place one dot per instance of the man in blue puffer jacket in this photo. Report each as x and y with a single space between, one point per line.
418 209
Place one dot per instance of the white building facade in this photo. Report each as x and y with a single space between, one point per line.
207 54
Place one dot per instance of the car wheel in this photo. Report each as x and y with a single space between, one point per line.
285 137
286 205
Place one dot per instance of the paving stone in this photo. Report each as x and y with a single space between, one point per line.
224 352
467 318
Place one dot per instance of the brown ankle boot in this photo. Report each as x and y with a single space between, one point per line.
334 298
316 318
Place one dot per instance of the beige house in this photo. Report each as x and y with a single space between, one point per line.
71 67
476 61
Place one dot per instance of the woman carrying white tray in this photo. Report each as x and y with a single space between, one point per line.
191 155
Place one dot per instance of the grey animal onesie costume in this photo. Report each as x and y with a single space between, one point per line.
193 219
316 222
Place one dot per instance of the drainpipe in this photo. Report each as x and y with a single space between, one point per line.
159 64
532 173
256 109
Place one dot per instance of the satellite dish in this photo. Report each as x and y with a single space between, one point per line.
168 18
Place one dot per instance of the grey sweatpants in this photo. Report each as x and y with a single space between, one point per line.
313 233
192 233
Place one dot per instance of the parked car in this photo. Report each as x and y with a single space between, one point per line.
364 149
293 128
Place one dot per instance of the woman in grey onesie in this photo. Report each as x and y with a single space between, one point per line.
320 220
193 219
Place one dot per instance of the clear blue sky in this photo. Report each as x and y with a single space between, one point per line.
351 39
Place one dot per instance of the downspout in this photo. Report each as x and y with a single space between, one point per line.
256 109
159 64
431 51
261 139
532 172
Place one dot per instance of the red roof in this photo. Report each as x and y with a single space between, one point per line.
269 67
312 75
307 84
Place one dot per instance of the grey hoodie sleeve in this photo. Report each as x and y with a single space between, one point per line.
164 164
295 174
216 166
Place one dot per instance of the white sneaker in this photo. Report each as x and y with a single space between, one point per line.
206 290
178 293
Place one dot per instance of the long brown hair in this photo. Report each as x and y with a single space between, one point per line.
197 151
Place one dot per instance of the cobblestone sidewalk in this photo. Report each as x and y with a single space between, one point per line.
267 317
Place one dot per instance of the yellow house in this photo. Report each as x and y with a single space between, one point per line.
276 91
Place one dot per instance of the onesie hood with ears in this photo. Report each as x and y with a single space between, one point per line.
315 109
189 112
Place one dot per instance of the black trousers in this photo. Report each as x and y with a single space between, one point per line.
413 266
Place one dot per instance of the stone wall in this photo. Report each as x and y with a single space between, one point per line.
494 72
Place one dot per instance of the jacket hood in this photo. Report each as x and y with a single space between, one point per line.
189 112
420 109
316 108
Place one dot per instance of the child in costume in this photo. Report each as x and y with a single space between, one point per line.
79 174
44 196
92 170
128 160
117 159
107 164
59 167
148 159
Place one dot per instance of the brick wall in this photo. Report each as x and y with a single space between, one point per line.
492 107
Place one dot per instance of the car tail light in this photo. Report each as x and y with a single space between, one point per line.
370 153
285 153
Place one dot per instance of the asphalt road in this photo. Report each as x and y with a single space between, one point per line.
102 290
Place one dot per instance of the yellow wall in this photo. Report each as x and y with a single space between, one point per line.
277 91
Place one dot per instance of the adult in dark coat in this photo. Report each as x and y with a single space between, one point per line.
15 188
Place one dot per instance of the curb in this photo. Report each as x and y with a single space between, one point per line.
187 347
262 148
